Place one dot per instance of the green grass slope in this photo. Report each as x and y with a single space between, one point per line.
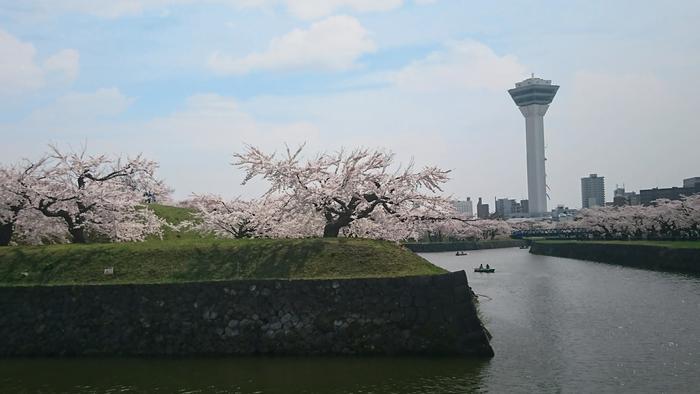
175 216
185 260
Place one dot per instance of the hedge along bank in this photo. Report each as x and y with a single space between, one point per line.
422 315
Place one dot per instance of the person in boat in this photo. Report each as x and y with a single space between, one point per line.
481 266
487 267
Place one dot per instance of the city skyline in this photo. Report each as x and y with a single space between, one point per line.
188 84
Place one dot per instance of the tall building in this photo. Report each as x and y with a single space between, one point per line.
525 204
509 208
671 193
504 207
482 210
593 191
533 97
464 207
691 182
622 197
563 214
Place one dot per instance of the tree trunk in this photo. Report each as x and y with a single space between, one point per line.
6 230
331 230
78 235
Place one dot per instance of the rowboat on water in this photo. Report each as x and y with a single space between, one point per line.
485 270
461 253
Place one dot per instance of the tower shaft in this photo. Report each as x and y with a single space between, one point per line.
536 178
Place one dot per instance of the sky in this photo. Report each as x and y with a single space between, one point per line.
189 83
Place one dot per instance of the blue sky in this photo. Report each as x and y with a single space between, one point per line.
189 82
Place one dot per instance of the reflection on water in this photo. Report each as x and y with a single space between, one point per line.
559 325
243 375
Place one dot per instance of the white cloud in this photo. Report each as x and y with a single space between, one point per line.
461 65
312 9
19 71
100 8
74 110
194 144
72 119
66 63
201 139
304 9
212 122
333 44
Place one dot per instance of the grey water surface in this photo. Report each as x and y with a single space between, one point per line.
558 325
564 325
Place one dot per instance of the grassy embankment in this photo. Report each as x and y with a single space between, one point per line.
428 247
186 257
663 244
676 256
176 215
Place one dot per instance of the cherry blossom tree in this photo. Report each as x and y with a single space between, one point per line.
16 182
676 219
20 221
33 228
532 224
236 218
466 230
344 187
379 225
690 208
491 229
98 195
277 220
11 202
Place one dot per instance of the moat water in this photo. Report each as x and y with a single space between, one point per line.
558 325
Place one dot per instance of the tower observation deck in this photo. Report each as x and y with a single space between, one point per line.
533 97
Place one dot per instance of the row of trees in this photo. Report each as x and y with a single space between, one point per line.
270 218
358 193
74 197
436 221
675 219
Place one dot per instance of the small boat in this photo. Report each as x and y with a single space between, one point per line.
523 246
485 270
461 253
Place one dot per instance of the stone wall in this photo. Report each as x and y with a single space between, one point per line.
640 256
428 315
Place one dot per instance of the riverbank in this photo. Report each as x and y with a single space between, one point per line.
430 247
675 256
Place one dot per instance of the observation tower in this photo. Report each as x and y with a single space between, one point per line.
533 97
